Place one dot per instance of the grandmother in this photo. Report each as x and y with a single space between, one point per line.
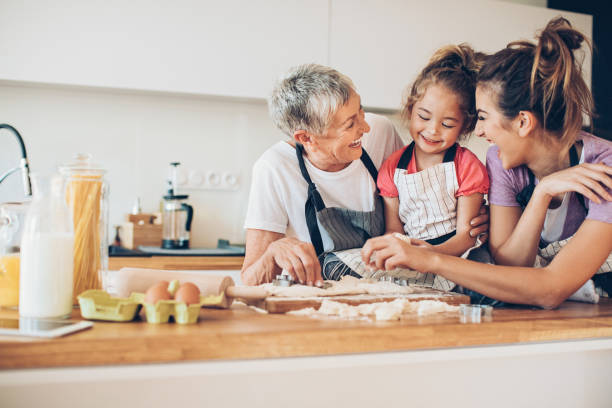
315 193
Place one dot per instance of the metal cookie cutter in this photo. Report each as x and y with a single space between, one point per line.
475 313
397 281
283 280
287 280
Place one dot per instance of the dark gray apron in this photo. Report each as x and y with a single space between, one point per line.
347 229
601 282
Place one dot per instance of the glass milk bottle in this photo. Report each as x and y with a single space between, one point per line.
87 197
45 289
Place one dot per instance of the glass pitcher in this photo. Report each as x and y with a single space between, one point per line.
12 216
45 289
176 220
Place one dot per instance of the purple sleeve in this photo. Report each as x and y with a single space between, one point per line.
597 150
505 184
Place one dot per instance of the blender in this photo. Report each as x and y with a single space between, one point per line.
176 215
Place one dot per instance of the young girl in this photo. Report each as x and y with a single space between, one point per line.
550 183
433 187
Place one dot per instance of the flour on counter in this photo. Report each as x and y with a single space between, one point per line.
379 310
254 308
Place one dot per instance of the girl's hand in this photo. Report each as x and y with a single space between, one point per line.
588 179
389 252
420 243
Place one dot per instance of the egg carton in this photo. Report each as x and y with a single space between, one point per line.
100 305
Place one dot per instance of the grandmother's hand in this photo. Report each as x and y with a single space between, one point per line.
298 258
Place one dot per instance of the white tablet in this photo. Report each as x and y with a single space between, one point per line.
27 326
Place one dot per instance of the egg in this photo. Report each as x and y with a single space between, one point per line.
157 292
188 293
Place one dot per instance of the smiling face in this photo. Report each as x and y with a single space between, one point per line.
341 142
436 120
499 130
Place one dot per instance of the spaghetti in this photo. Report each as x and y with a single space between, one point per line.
84 194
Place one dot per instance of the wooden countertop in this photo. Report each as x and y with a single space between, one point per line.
240 333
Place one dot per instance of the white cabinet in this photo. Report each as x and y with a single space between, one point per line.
229 47
239 47
382 45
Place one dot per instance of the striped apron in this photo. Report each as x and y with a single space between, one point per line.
428 208
347 229
601 284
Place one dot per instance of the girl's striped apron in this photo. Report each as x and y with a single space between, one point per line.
428 208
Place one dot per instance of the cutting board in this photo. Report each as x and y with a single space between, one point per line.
285 304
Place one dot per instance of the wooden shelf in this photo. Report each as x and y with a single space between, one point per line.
178 262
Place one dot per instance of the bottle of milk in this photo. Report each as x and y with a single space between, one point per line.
45 289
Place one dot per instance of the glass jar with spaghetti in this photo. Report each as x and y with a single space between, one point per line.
87 197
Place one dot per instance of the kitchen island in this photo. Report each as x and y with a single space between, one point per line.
559 357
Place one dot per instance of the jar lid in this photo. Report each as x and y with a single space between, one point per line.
81 164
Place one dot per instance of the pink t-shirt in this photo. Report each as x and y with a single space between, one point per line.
471 174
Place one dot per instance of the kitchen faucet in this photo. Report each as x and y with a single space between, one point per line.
23 166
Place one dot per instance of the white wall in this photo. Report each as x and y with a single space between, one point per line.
135 136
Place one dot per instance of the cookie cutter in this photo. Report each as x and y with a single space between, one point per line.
283 280
287 280
397 281
475 313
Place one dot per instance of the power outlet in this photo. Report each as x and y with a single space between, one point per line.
208 180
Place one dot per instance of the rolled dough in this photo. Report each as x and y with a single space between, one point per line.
348 285
379 311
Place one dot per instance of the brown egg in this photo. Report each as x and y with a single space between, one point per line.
157 292
188 293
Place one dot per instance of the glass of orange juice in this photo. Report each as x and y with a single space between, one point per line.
9 280
12 216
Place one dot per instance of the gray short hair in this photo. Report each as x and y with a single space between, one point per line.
307 98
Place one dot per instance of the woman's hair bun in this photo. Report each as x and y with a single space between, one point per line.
558 33
545 78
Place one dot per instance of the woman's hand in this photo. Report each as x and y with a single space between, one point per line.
588 179
389 252
480 223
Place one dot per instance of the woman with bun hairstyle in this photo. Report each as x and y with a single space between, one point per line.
433 187
550 193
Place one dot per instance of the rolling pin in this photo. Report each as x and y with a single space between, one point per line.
130 280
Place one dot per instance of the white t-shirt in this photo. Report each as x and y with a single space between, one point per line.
278 190
555 218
